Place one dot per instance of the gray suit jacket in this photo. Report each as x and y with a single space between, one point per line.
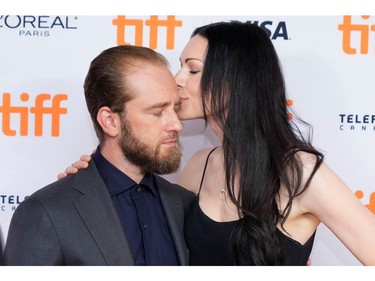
73 222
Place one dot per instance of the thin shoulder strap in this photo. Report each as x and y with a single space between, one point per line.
204 170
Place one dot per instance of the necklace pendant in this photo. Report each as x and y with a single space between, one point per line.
223 194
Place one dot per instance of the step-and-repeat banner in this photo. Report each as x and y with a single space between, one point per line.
328 62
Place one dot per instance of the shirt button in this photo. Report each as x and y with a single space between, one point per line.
144 226
139 189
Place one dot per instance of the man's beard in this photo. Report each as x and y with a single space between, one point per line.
145 156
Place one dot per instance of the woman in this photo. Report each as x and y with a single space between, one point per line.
265 190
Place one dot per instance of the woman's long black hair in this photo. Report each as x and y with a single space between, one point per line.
243 89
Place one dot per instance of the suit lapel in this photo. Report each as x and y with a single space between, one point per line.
174 213
100 217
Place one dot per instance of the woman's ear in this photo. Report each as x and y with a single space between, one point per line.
109 121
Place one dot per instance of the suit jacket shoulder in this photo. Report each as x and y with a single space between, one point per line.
72 222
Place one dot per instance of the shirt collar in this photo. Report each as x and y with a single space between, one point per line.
117 181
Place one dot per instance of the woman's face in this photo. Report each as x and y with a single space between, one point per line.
188 78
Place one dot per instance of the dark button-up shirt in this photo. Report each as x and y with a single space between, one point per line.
141 214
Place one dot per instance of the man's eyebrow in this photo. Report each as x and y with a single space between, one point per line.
158 105
162 105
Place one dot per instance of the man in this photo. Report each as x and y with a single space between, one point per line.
118 211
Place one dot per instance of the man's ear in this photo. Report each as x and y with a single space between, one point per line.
109 121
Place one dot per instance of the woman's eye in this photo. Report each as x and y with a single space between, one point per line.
194 71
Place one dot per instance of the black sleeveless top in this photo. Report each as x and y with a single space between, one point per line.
208 241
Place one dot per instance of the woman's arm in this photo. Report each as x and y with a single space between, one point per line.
334 204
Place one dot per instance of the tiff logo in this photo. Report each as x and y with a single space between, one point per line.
371 205
153 24
363 30
289 102
39 110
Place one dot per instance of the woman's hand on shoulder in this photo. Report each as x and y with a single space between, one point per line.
82 163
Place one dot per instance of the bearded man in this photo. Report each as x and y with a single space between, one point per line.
118 211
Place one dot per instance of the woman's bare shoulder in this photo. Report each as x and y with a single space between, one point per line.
191 174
